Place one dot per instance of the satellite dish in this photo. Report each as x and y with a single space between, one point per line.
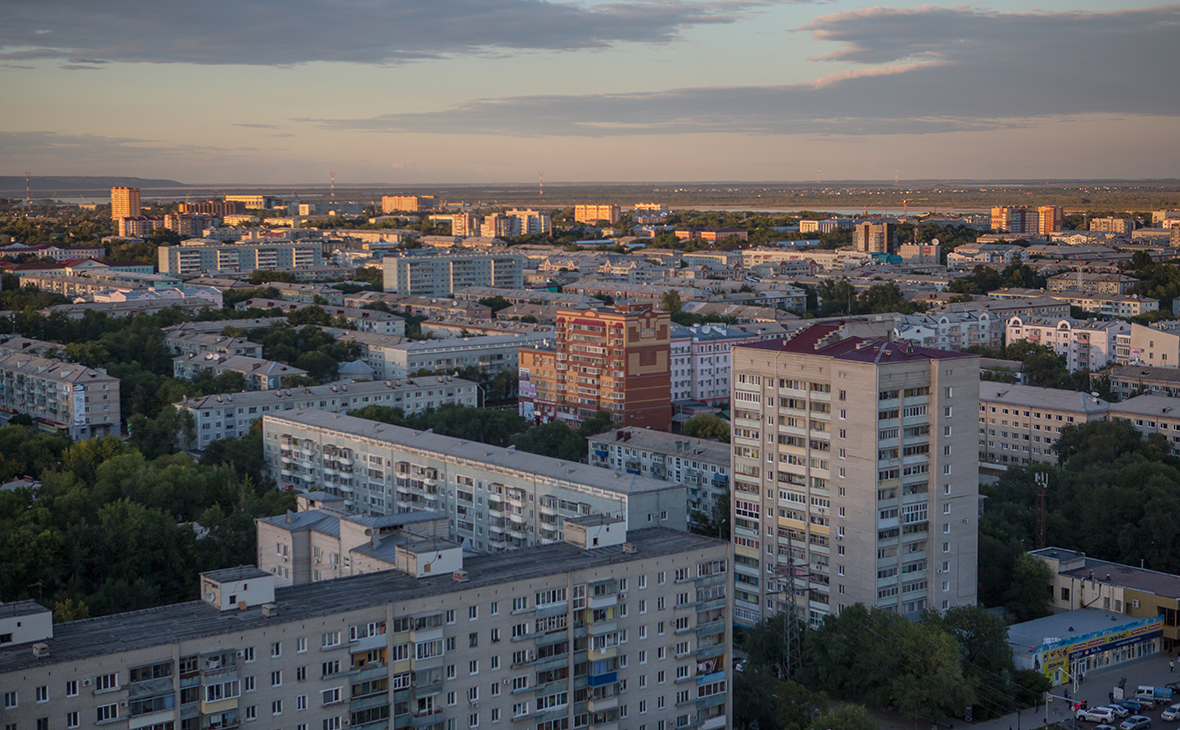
933 241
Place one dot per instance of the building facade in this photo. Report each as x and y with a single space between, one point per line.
1020 424
231 415
823 516
616 360
554 637
410 203
1121 226
951 330
875 237
702 466
79 401
495 498
260 374
125 203
590 213
700 362
184 342
441 275
1090 343
199 256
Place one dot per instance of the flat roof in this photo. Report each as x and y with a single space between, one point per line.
662 442
1067 626
240 572
21 608
194 620
1149 405
56 370
341 389
856 349
495 456
1145 372
1035 397
1127 576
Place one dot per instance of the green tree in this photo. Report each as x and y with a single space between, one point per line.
496 303
671 302
707 426
1028 595
846 717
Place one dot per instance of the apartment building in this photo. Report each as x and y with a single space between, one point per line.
701 465
421 306
1029 221
365 320
125 203
1084 582
495 498
1156 346
616 360
1019 424
565 635
394 357
321 542
213 208
1152 414
1127 381
825 226
875 236
700 362
1110 305
260 374
308 294
1007 307
951 330
646 213
410 203
186 342
255 202
824 517
442 274
201 256
1121 226
591 213
1089 343
526 221
79 401
231 415
1091 283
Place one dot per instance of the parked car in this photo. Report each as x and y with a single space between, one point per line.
1135 722
1172 713
1135 706
1096 714
1105 727
1120 711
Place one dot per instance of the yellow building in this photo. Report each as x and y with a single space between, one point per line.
124 203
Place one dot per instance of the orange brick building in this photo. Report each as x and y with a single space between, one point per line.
615 360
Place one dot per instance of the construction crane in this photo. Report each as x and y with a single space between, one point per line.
541 176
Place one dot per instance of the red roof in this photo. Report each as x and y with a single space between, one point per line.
855 349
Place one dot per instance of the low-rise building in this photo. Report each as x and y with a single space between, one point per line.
398 359
365 320
420 306
467 327
186 342
1020 424
439 275
1065 646
1131 380
1122 226
701 465
1091 283
1154 346
231 415
260 374
1152 414
199 256
1084 582
951 330
308 293
543 639
495 498
82 402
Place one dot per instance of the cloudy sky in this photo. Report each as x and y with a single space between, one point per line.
472 91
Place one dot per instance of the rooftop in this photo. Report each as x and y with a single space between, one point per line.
1035 397
332 389
713 452
240 572
51 369
1143 372
816 340
1149 405
1127 576
194 620
508 459
1068 626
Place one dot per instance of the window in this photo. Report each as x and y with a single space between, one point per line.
105 682
107 713
330 696
276 679
276 707
71 719
520 603
301 674
72 688
251 713
301 644
472 613
248 652
276 649
301 703
43 693
10 700
330 639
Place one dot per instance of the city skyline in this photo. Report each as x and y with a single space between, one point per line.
495 92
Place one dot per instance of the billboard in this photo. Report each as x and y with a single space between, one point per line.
1049 658
79 405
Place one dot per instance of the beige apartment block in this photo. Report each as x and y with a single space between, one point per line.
1020 424
855 477
79 401
610 629
591 213
1154 347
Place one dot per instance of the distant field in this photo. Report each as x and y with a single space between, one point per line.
922 196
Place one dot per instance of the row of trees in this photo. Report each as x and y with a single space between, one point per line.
925 670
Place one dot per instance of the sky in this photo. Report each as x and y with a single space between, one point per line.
410 92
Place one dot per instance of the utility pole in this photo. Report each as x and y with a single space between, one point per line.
333 187
790 591
1042 479
28 194
541 185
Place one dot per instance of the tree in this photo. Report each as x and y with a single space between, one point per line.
1028 596
707 426
752 709
846 717
496 303
670 302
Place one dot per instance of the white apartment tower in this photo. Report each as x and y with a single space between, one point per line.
855 474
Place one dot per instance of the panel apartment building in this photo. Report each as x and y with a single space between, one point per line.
442 275
395 357
554 637
608 359
230 415
1019 424
495 498
855 474
200 256
79 401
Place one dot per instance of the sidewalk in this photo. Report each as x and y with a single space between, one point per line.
1095 689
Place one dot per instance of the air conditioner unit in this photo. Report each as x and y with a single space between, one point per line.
286 558
241 653
1135 602
86 682
123 703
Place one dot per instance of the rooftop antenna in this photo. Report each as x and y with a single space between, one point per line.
1042 479
28 195
333 187
541 178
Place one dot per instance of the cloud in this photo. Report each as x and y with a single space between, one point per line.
51 148
924 70
357 31
257 126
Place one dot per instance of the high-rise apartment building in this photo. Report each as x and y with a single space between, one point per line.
441 275
529 221
1123 226
197 256
601 631
464 224
411 203
124 203
855 474
875 236
589 213
1028 221
609 359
